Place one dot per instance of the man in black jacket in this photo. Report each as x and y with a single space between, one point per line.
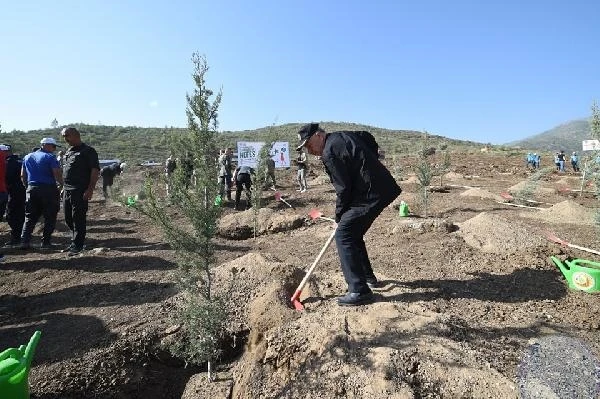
15 209
81 170
364 187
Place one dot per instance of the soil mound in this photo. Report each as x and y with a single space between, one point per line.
477 192
319 180
534 187
240 226
260 286
494 234
565 212
406 225
358 353
453 176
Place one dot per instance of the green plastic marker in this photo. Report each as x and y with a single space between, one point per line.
581 274
14 369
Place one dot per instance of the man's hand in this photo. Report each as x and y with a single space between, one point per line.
88 194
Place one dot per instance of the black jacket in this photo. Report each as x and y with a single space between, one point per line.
359 178
13 174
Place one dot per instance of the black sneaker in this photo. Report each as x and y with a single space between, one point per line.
25 246
12 244
67 249
355 299
373 283
46 246
75 250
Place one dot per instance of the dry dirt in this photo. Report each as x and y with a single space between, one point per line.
466 293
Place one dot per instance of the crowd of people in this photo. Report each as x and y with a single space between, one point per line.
34 186
241 178
533 161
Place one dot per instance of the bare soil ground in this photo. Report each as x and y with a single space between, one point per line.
459 307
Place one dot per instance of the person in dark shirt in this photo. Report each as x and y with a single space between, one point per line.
15 208
364 188
108 174
80 172
41 173
243 180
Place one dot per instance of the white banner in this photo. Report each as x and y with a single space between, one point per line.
590 145
248 153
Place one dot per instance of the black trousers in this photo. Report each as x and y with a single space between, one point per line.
75 215
349 239
106 183
15 212
40 200
242 181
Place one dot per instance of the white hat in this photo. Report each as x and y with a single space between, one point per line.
49 140
4 147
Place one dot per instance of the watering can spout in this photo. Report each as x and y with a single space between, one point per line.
31 346
14 369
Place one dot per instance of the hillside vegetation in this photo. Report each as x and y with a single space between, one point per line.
136 144
567 137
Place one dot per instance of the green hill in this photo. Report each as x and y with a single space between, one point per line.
567 137
136 144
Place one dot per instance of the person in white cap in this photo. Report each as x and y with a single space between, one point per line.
41 174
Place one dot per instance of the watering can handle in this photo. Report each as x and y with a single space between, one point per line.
30 349
564 269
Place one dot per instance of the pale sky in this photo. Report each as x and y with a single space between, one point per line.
488 71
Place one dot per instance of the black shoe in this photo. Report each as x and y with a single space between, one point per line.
67 249
13 244
25 246
373 283
46 246
75 250
355 299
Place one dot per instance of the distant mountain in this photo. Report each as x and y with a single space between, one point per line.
136 144
567 137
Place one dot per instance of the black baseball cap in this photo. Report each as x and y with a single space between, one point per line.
306 133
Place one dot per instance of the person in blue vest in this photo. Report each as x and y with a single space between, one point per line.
536 158
575 162
42 175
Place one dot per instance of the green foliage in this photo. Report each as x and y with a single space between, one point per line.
192 191
134 144
427 168
531 184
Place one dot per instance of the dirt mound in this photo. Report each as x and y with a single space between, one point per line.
453 176
260 286
406 225
534 187
358 353
319 180
240 226
565 212
477 192
491 233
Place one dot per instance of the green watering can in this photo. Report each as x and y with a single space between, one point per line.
14 369
403 210
581 274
